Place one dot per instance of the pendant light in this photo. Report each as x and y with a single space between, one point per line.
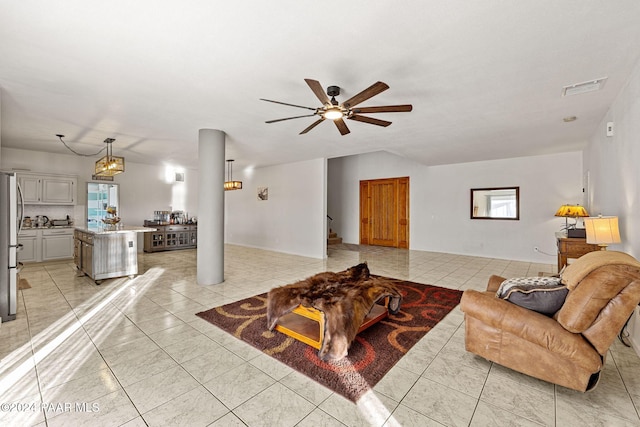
230 184
109 165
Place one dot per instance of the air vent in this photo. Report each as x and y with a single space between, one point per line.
584 87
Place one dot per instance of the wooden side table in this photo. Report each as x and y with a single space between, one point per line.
573 247
307 324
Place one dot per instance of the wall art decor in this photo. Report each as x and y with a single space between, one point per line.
263 193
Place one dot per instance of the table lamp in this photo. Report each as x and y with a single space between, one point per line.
571 211
602 230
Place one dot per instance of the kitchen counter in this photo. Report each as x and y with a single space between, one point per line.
53 227
108 229
103 252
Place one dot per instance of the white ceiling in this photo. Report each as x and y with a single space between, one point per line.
484 77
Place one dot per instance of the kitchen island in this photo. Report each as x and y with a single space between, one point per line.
103 252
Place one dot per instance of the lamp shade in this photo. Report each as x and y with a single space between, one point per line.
602 230
109 166
572 211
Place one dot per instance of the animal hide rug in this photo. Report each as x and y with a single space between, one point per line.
345 298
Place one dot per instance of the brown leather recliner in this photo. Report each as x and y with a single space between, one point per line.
569 348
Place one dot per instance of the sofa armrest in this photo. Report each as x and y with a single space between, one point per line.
534 327
494 283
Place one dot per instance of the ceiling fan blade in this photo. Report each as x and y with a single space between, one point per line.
290 105
318 91
342 126
369 120
289 118
312 125
369 92
384 109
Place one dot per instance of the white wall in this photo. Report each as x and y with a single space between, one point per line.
440 197
143 188
292 220
614 173
0 126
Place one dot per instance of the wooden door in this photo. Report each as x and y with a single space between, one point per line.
403 212
364 212
384 230
384 212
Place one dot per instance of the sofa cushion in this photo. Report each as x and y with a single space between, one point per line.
542 294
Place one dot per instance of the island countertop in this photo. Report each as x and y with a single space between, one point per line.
106 229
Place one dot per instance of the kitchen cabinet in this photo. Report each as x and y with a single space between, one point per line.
154 241
77 250
178 236
29 241
57 244
47 244
86 257
31 188
59 190
48 189
102 253
171 237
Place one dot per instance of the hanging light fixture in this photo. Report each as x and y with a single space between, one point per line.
230 184
109 165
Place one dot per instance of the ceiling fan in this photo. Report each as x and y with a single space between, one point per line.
336 112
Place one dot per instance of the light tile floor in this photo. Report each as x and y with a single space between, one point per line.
132 353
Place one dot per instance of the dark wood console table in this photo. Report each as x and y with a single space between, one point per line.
573 247
171 237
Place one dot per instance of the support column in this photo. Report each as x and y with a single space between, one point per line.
210 253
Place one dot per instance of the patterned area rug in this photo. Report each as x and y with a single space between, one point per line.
372 354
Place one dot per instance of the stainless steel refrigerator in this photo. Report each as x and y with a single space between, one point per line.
11 211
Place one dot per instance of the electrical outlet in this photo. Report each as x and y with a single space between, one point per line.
535 249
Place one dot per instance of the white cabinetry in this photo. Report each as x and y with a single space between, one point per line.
29 250
57 244
48 244
48 189
59 190
31 188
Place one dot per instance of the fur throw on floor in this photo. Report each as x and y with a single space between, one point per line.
345 298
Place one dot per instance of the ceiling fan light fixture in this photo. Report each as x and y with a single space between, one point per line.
333 110
333 114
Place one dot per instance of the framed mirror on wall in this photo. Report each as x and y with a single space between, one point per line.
495 203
